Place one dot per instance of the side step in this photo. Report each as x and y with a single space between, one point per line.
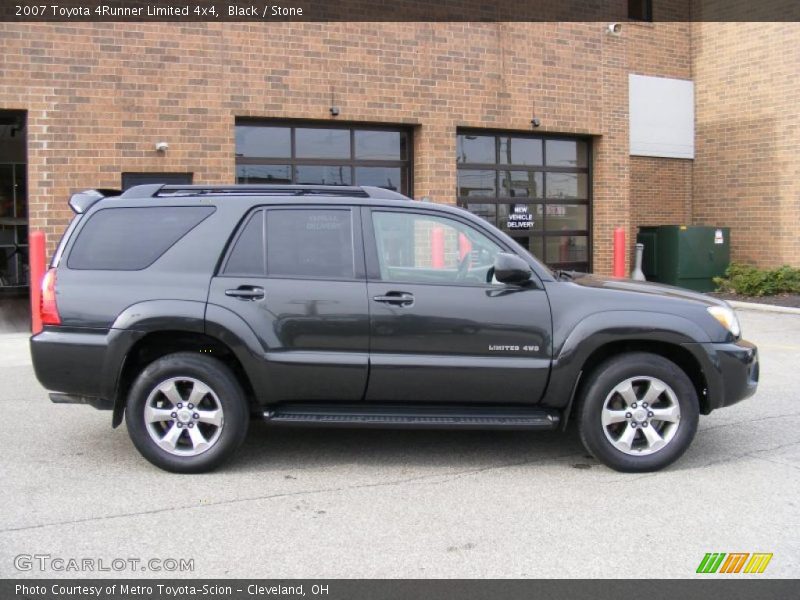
412 416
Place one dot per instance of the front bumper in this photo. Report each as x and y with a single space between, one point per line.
731 371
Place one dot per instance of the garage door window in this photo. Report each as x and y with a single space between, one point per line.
536 189
287 153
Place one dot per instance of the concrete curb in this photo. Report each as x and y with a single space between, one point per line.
788 310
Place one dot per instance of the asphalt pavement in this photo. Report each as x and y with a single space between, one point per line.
412 504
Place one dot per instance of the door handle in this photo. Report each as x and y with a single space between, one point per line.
246 292
397 298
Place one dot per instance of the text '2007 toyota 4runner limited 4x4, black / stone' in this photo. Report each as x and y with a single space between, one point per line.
188 310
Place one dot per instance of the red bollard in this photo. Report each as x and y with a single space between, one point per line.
437 248
464 246
619 252
37 262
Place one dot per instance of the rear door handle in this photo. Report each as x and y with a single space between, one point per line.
397 298
246 292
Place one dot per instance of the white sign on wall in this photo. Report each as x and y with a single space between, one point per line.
661 116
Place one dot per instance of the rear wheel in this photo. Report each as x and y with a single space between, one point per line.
186 413
639 412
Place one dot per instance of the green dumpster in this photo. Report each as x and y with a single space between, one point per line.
686 256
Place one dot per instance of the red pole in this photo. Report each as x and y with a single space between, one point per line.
619 252
464 246
37 259
437 248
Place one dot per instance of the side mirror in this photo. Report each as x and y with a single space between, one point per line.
510 268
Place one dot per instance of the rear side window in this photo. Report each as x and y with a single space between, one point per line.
247 256
310 243
130 239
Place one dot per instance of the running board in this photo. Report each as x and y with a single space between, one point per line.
415 417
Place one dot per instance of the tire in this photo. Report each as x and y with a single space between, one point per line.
620 431
175 437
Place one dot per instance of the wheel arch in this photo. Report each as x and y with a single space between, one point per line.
602 335
155 344
675 353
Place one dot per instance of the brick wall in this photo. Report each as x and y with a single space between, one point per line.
747 167
99 96
661 191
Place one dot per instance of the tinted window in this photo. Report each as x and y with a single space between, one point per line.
247 257
263 174
322 143
567 186
380 145
537 188
323 175
131 179
280 154
567 153
476 183
129 239
259 141
476 149
520 151
640 10
310 243
521 184
390 178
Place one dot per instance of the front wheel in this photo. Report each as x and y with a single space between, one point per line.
638 412
186 413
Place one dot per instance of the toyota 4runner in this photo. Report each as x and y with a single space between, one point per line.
187 310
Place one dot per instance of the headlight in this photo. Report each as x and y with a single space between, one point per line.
727 318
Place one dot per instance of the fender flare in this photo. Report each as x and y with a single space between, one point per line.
599 329
151 316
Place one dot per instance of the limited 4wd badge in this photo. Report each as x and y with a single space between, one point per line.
498 348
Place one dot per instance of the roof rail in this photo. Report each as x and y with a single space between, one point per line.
160 190
80 202
383 193
145 190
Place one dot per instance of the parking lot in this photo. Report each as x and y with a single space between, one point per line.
340 503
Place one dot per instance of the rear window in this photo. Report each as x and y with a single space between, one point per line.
130 239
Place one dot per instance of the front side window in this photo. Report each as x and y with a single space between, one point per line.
418 248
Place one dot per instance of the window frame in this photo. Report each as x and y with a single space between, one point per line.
293 161
500 199
371 245
359 271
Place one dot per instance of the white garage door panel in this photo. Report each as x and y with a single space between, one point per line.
661 116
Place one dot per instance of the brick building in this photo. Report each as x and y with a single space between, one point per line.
437 110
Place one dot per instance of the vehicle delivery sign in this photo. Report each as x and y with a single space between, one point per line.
520 218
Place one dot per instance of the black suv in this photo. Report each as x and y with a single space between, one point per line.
190 309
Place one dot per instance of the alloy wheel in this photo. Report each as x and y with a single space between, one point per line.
641 415
183 416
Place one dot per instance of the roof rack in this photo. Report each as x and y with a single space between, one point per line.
160 191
